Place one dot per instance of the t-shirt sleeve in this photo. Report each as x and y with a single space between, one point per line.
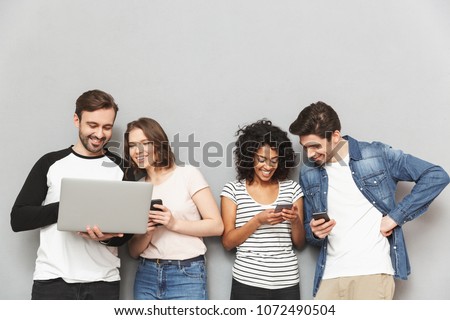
297 191
229 191
196 180
28 213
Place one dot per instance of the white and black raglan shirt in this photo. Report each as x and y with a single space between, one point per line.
63 254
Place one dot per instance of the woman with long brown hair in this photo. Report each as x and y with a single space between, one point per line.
172 252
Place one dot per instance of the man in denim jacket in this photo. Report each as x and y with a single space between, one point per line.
362 245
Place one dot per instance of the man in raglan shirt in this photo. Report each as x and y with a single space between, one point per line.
72 265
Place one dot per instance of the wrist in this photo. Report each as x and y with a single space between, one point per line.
257 220
172 225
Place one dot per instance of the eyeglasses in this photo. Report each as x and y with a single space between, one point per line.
140 145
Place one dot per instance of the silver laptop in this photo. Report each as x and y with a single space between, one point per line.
113 206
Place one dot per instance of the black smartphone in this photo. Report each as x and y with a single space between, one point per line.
155 201
152 207
282 206
320 215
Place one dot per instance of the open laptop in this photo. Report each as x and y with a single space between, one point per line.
114 206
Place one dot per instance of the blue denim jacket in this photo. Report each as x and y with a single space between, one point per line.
376 170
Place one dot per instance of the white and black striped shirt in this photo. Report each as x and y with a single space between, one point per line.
266 259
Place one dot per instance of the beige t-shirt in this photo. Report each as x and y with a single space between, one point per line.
176 193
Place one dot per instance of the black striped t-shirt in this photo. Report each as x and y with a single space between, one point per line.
266 259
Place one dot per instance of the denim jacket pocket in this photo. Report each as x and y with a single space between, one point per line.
376 184
312 193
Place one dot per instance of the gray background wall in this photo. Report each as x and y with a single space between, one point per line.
203 68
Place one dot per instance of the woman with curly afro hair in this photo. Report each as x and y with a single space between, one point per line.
266 265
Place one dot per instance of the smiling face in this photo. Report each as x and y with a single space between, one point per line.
140 148
94 131
318 149
265 163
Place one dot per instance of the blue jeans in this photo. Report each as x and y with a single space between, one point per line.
58 289
171 280
240 291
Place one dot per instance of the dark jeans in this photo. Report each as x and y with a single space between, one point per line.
58 289
241 291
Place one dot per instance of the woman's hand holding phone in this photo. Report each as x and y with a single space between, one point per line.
153 208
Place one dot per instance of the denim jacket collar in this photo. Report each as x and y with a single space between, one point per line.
353 147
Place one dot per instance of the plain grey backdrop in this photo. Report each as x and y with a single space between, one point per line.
204 68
